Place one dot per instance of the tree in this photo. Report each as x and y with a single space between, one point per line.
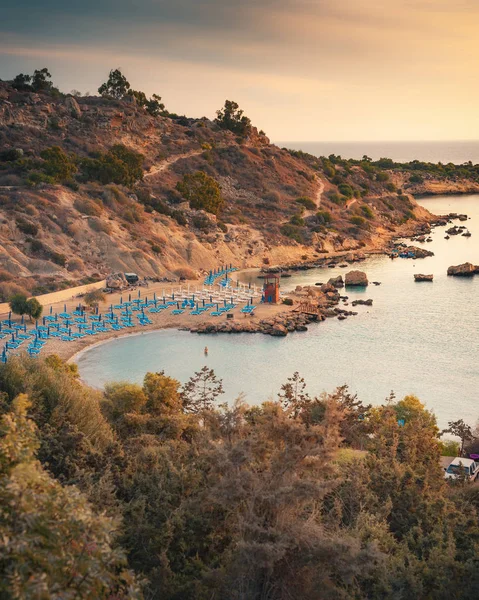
293 394
116 86
200 392
202 192
22 82
52 544
19 304
153 105
460 429
230 117
34 308
40 80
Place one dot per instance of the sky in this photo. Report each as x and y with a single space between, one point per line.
302 70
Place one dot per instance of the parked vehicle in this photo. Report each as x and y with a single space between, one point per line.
462 467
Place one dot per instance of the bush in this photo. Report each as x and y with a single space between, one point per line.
202 192
382 176
75 264
306 202
87 207
272 196
222 226
93 298
9 289
346 190
358 221
99 226
57 164
119 165
337 199
368 213
297 220
288 301
416 178
293 232
324 217
27 227
185 273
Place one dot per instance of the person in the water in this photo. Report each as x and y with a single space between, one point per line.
206 350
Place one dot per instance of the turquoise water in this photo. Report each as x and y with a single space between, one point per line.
417 338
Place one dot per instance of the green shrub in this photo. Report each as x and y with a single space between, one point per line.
27 227
293 232
306 202
337 199
288 301
368 213
382 176
297 220
324 217
358 221
346 190
202 192
416 178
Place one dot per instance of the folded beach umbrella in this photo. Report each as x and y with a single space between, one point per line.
51 309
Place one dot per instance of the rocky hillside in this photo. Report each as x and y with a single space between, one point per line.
277 205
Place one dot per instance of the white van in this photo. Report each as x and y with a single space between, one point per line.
466 467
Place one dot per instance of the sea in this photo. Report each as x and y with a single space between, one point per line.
416 338
457 152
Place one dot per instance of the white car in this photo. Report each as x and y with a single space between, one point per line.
468 468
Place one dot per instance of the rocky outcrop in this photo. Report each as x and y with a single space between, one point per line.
336 282
465 270
73 106
421 277
368 302
356 278
278 326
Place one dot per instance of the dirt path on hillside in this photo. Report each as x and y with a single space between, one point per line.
319 193
166 164
349 203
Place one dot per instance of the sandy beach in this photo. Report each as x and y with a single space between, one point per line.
163 320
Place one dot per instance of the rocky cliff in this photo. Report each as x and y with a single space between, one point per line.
280 206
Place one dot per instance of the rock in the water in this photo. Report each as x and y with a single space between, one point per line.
363 302
421 277
336 282
464 270
356 278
